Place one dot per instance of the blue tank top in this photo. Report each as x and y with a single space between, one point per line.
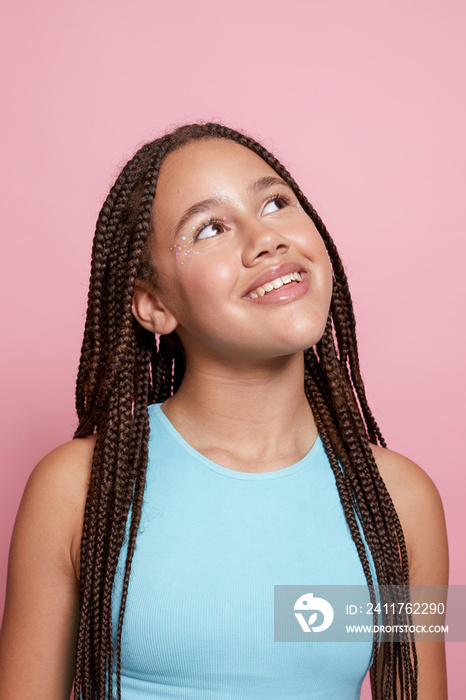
212 544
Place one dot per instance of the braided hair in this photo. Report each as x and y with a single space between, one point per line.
123 369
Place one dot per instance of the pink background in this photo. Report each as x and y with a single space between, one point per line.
365 103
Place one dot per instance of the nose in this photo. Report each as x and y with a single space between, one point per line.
261 240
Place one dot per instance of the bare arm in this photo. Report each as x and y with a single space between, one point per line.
37 639
422 518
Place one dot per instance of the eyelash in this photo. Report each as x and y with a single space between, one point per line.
284 199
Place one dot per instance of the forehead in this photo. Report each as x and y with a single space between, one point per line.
206 168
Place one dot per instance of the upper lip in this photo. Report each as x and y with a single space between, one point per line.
272 273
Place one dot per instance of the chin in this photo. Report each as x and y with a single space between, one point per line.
303 339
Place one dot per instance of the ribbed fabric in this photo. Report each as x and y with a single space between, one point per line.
213 542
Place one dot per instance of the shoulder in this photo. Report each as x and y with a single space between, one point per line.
40 620
66 466
406 481
63 474
54 497
419 507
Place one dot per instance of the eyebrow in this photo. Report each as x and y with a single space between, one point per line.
264 183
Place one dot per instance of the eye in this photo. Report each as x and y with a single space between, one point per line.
210 229
275 203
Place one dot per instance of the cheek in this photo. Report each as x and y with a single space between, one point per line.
192 285
314 247
323 269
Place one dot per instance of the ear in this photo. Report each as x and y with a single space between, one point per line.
150 311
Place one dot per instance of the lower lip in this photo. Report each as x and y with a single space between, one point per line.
283 295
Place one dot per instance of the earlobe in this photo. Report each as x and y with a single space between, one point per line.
150 311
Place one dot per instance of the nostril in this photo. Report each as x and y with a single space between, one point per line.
269 249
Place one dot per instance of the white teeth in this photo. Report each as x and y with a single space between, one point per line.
275 284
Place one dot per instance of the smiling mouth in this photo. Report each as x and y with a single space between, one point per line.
277 283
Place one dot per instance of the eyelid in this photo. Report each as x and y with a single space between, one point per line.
284 197
212 220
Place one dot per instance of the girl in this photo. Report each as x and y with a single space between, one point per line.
225 445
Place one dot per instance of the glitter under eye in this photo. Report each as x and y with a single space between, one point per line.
188 252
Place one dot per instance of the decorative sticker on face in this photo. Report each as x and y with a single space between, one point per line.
183 252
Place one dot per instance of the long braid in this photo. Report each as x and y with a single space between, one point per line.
123 368
121 449
105 247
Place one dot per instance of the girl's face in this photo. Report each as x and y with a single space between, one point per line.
226 225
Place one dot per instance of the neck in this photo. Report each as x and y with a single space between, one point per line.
252 413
